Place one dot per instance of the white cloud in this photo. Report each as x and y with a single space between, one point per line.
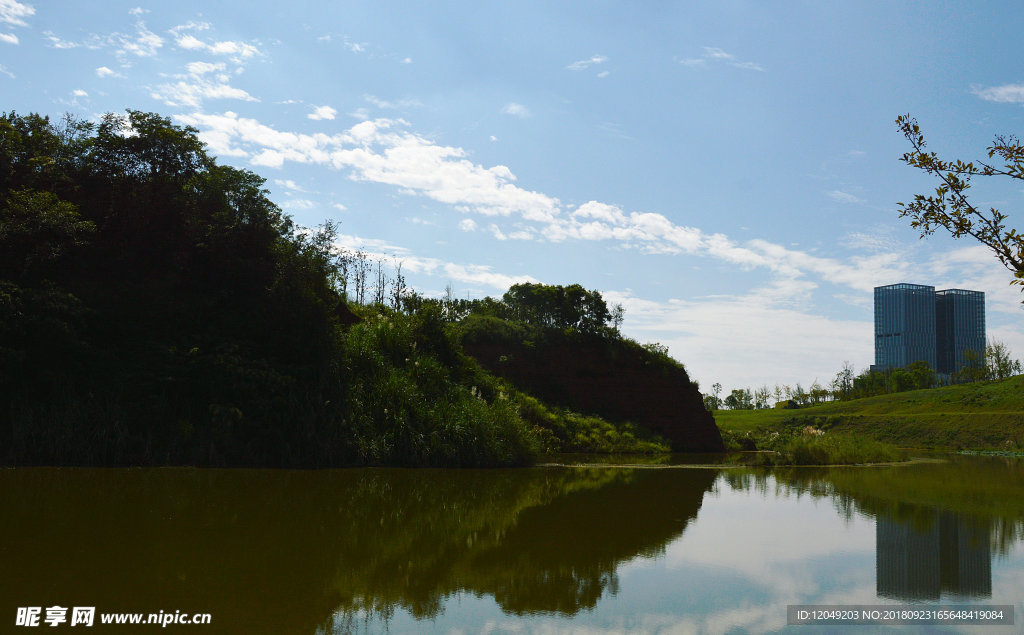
516 110
714 55
843 197
1007 93
376 249
476 274
750 66
190 43
103 71
238 52
602 74
9 38
407 60
391 105
57 42
78 92
298 204
467 225
384 151
193 93
189 26
14 12
4 71
339 207
289 184
144 43
583 64
195 86
202 68
870 242
736 338
322 112
138 11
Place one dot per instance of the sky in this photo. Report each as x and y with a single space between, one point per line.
727 171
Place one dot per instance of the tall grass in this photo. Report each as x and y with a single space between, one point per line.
406 406
826 449
563 431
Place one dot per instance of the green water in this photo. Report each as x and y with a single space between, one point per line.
551 548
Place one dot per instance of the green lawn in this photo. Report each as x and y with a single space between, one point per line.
981 415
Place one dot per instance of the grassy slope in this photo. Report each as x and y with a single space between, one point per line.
983 415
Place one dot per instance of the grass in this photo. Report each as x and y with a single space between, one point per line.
810 446
985 415
564 431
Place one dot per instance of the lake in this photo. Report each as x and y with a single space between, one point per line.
669 548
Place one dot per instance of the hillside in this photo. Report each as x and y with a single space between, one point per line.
980 415
157 308
606 375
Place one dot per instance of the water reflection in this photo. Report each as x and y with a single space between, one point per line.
301 552
603 548
938 525
939 553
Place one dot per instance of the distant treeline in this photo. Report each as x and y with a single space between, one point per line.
996 362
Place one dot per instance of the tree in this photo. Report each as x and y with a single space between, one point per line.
37 228
950 208
618 315
740 399
817 393
761 397
998 361
571 307
712 403
842 385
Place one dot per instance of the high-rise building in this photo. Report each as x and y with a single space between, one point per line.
904 325
914 323
959 328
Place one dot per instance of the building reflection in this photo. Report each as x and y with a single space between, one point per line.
933 554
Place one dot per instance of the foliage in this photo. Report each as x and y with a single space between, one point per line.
809 445
832 449
950 208
571 307
564 431
158 308
416 400
740 399
999 362
621 385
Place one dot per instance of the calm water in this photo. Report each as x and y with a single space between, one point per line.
544 549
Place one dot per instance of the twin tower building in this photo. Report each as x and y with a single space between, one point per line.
915 322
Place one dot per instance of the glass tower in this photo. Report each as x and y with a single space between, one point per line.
914 323
904 325
960 329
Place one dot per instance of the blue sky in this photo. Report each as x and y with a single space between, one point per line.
728 171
